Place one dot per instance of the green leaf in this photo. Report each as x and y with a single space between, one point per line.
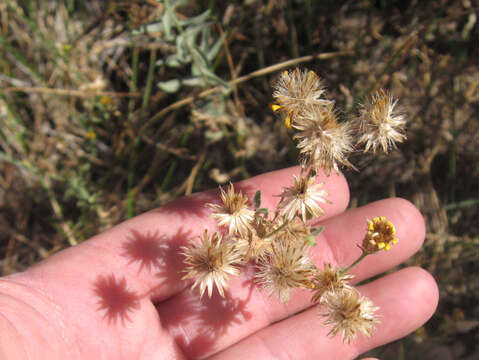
170 86
316 231
264 211
257 199
311 240
197 20
214 50
173 61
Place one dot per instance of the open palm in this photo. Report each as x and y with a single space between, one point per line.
120 295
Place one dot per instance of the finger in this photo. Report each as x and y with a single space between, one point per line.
145 249
407 299
247 310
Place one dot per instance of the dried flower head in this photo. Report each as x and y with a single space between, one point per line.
324 144
380 123
234 212
295 90
287 267
349 313
295 232
257 244
380 235
210 263
302 199
332 280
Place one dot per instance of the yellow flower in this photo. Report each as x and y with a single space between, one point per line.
379 236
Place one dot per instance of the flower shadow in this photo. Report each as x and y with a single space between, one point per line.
210 317
158 252
115 299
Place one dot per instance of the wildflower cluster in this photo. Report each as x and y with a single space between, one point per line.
279 241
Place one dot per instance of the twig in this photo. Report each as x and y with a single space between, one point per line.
187 186
67 230
66 92
231 66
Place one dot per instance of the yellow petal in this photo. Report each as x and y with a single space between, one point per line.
275 107
287 122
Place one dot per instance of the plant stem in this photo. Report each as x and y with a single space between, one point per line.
346 270
283 225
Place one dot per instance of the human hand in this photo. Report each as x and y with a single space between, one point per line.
120 295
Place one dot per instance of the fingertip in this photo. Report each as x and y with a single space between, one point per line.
408 214
338 189
407 299
424 289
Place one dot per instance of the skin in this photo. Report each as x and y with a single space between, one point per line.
120 295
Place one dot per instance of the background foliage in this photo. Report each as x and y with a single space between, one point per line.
110 108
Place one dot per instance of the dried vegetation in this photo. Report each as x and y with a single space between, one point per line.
102 118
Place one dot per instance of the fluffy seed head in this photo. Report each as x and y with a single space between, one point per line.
349 314
256 245
380 235
294 90
330 279
210 263
287 267
295 232
302 199
234 212
324 144
380 123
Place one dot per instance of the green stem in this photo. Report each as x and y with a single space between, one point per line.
346 270
283 225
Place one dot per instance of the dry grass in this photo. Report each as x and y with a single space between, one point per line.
85 140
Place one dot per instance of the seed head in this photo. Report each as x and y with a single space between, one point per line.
210 263
295 232
349 313
294 90
380 123
287 267
256 245
330 280
380 235
325 143
302 199
234 212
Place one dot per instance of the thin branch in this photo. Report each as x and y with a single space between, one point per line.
67 92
